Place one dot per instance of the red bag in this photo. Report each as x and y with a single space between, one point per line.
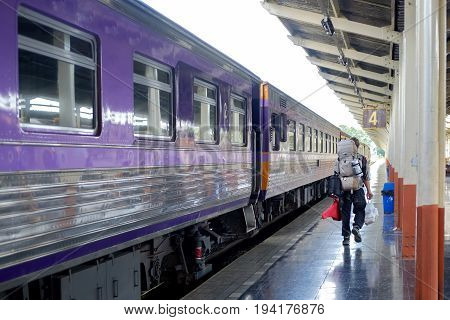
333 211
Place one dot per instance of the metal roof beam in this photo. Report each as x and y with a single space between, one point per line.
354 98
350 91
383 77
381 33
351 103
385 62
359 84
354 110
346 98
358 105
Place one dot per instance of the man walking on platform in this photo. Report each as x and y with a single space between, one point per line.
353 172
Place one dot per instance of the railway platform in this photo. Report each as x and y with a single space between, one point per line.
396 87
306 260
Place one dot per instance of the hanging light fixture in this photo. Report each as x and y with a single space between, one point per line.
342 60
351 79
328 25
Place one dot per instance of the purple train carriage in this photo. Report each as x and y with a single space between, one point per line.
131 151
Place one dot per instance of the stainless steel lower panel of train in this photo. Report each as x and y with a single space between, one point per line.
46 212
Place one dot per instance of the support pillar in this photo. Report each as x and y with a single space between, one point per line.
394 138
392 132
396 198
419 254
409 221
428 40
441 252
442 139
400 203
410 129
401 132
427 259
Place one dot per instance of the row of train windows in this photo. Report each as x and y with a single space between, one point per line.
300 138
58 87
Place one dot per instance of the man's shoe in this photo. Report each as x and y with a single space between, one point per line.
346 241
357 234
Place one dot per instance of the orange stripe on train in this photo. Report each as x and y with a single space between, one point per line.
265 175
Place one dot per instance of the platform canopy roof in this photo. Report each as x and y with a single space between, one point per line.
367 36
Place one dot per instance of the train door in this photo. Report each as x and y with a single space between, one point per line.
256 139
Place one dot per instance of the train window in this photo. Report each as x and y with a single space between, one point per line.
329 148
57 75
301 139
292 133
205 112
315 140
275 126
308 139
238 120
283 128
153 111
321 142
329 144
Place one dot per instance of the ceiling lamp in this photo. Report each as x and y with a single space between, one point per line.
328 25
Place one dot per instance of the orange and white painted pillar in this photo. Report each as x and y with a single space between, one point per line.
442 139
409 127
395 143
430 29
401 132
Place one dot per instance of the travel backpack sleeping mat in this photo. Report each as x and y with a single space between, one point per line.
349 165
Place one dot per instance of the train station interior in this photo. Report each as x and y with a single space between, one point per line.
375 55
306 260
137 161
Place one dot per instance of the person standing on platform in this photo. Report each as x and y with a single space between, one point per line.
353 171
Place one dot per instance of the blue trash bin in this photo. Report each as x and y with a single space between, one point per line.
388 197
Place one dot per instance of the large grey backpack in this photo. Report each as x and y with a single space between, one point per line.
349 165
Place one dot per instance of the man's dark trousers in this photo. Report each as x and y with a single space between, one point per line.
359 205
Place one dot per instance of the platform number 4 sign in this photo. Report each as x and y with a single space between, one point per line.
374 118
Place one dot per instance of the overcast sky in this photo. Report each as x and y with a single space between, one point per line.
246 32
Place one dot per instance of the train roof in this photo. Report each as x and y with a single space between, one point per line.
141 12
301 104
